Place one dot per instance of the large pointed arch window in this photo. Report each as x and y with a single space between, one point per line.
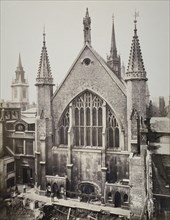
88 120
87 123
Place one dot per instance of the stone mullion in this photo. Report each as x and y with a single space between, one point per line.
14 148
104 125
97 126
24 147
113 137
91 125
70 133
85 121
103 162
79 129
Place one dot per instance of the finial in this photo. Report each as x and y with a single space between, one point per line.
113 17
87 12
19 61
87 28
135 21
44 35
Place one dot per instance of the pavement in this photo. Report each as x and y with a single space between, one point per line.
73 203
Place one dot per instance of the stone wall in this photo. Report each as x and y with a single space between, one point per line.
95 78
118 164
138 186
87 164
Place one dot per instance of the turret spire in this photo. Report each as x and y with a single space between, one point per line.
136 67
87 28
44 72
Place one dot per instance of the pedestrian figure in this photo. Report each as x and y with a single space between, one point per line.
16 189
48 190
24 189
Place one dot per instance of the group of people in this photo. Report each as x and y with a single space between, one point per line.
55 192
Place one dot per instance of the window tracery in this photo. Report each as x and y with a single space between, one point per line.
87 117
63 128
88 120
112 130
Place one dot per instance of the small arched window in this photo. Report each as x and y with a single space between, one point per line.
63 128
112 130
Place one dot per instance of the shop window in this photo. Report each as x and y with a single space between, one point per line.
10 167
19 146
31 127
29 147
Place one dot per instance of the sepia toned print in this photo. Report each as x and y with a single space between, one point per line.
94 147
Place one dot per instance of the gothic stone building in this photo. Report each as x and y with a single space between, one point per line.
90 134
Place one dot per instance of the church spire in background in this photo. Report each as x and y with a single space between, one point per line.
113 60
20 72
19 86
19 62
87 28
113 50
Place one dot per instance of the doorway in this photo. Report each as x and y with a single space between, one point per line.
117 199
26 175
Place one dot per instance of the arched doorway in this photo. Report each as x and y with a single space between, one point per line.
117 199
87 188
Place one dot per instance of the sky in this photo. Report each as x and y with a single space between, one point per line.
22 22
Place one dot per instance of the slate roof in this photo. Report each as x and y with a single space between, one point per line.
135 63
44 70
160 124
160 178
